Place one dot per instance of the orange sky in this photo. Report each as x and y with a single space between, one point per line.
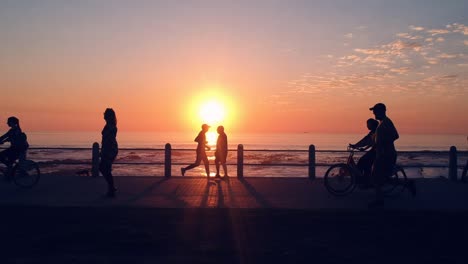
276 68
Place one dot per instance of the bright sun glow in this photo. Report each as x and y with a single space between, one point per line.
212 113
214 106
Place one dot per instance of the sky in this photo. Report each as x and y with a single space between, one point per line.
273 66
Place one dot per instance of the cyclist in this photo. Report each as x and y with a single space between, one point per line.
365 162
18 144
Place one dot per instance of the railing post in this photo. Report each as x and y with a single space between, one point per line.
240 161
465 169
453 164
95 160
167 160
312 162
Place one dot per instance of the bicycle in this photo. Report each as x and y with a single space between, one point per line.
340 179
24 173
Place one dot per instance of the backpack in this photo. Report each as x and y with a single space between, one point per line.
21 141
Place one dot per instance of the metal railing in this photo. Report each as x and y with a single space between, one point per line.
310 163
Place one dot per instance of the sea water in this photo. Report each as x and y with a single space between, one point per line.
421 154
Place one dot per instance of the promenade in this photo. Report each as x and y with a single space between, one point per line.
66 219
437 194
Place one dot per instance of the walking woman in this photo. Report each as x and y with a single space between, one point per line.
109 150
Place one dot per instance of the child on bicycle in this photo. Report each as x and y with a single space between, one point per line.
365 162
18 143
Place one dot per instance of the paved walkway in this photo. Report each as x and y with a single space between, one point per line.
190 192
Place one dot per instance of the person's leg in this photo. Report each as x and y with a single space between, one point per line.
207 165
365 165
191 166
217 164
106 170
225 169
8 157
376 176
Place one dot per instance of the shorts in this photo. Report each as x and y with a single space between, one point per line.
220 158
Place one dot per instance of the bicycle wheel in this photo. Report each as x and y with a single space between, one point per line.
396 183
339 180
26 173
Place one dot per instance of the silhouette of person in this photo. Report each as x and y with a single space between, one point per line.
221 151
18 144
201 152
386 154
109 150
365 162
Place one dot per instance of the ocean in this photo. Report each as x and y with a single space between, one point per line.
421 155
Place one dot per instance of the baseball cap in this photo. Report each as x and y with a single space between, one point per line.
378 106
205 126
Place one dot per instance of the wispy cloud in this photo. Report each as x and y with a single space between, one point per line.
421 61
349 35
415 28
446 56
435 32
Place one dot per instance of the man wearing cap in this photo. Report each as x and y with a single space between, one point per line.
201 152
386 154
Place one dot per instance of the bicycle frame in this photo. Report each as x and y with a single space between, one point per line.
352 164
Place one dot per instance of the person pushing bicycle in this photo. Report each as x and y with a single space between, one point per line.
18 144
386 154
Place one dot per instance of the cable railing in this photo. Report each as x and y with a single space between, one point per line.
308 160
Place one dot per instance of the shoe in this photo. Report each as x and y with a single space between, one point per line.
182 170
217 176
376 204
411 187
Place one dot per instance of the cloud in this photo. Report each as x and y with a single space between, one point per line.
352 58
440 39
416 28
349 35
446 56
465 42
408 36
460 28
435 32
432 61
398 46
401 70
370 51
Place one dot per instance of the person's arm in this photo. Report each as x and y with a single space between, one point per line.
365 143
5 137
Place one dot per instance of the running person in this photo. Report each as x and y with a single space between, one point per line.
201 152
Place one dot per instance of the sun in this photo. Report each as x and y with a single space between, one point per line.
212 113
